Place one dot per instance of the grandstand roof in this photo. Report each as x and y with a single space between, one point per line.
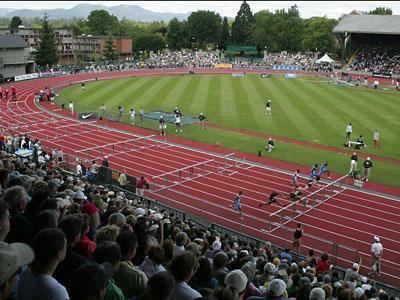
12 41
372 24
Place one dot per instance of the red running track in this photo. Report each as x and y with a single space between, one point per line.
350 218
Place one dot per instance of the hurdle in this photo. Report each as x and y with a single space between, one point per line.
185 174
284 215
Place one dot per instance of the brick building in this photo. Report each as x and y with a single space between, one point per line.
88 47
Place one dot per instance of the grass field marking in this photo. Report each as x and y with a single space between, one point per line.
305 98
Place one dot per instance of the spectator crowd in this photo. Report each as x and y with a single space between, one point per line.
377 58
63 237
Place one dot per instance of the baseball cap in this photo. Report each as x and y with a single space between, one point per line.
90 279
317 293
80 195
12 257
236 279
355 266
277 287
376 238
216 245
89 208
140 211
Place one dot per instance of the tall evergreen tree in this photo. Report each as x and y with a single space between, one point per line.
243 25
225 34
47 51
109 49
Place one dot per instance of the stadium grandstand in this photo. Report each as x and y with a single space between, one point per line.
371 43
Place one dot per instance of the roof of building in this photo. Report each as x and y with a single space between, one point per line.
12 41
372 24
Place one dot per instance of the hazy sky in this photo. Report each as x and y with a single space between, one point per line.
333 9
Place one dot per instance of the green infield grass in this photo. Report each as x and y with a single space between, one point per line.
302 109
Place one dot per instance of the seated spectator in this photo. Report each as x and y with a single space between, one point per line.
183 267
90 281
323 264
20 226
181 240
37 281
219 269
85 246
106 233
110 252
159 287
317 293
352 274
12 258
152 263
132 281
203 278
4 220
71 225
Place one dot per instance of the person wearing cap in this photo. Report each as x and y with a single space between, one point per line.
12 258
270 145
90 281
202 119
376 252
37 281
161 125
367 168
352 274
183 266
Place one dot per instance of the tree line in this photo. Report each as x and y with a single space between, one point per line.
282 30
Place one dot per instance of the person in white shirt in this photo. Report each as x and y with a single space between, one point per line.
79 171
132 114
37 281
349 130
71 107
178 122
376 252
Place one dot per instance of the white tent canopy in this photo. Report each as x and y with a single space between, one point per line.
325 59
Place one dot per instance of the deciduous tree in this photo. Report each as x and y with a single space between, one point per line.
14 23
205 27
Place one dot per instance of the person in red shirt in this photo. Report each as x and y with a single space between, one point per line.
323 264
141 184
13 92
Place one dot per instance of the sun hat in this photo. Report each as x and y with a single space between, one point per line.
12 257
236 279
277 287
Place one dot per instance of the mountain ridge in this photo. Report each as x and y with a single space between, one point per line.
131 12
